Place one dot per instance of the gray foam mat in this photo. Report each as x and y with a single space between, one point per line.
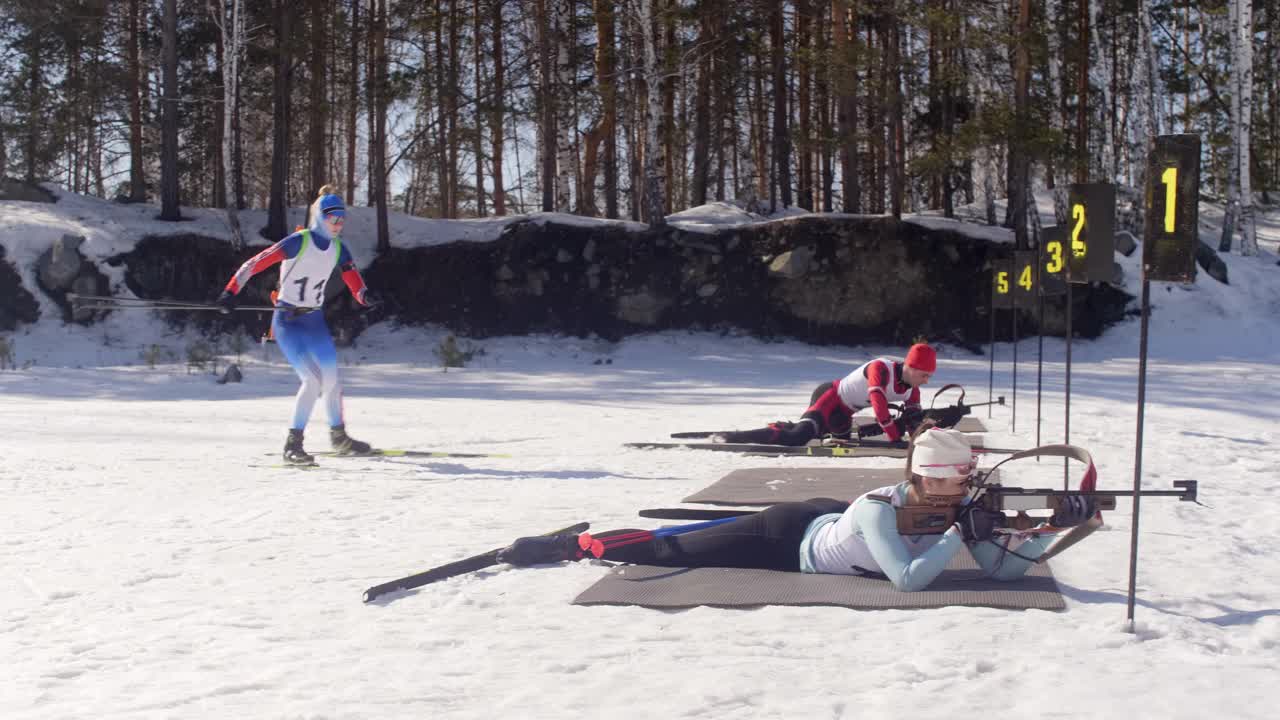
766 486
959 585
971 425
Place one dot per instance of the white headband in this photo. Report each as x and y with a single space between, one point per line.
942 453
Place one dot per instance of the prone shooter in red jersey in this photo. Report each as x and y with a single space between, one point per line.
875 384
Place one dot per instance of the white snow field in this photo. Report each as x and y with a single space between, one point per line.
153 563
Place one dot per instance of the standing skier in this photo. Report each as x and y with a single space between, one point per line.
307 259
874 384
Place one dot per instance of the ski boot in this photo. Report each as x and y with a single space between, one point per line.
542 549
344 444
293 452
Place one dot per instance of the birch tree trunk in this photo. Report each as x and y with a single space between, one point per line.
1101 71
452 90
478 135
1019 156
985 161
137 180
353 100
606 65
379 111
232 30
702 104
1057 89
277 205
822 82
746 175
1244 68
1233 167
673 158
546 106
781 180
566 122
655 173
497 129
804 106
1146 120
318 100
846 85
169 201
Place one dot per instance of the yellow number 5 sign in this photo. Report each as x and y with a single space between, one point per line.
1001 285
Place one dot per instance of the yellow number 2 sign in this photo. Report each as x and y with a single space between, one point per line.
1091 232
1079 248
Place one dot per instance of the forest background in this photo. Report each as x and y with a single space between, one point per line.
635 108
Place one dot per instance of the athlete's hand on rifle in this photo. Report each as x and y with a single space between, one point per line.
905 427
1073 510
976 523
947 417
369 299
226 302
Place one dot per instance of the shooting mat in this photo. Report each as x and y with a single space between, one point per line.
766 486
959 585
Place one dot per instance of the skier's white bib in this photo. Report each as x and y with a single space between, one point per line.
303 277
853 388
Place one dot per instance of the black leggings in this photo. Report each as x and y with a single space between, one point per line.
825 414
769 539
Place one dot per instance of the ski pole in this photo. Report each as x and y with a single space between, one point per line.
107 302
458 567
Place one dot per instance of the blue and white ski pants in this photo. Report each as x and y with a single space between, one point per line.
307 345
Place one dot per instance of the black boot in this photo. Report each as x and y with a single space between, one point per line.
293 452
344 444
774 434
542 549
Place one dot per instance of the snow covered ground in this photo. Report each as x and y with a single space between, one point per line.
154 565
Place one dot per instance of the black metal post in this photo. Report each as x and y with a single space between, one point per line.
1013 427
991 372
1039 368
1066 430
1137 457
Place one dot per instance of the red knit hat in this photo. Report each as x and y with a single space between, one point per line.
922 357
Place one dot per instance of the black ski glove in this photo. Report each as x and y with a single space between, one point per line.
976 523
904 428
909 420
1073 510
226 302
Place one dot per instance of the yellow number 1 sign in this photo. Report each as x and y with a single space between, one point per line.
1173 214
